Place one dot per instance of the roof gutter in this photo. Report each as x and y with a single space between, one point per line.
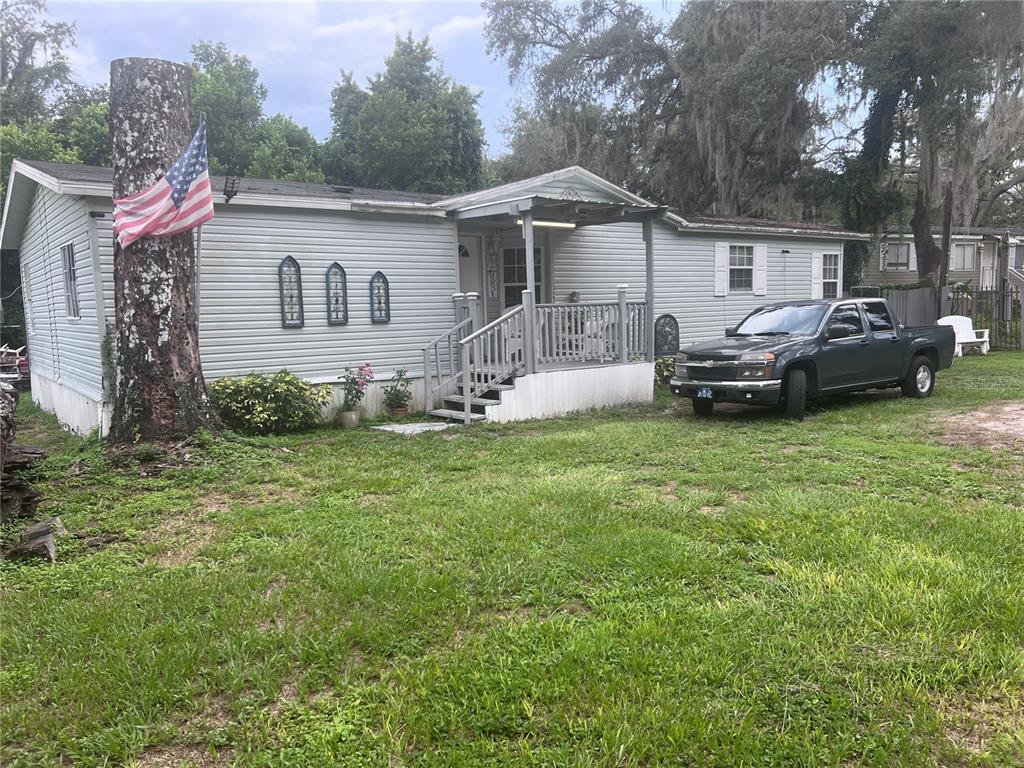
834 234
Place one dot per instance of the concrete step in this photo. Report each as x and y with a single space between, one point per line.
453 415
484 401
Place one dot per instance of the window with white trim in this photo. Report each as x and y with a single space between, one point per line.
830 275
961 259
514 273
898 258
741 268
67 257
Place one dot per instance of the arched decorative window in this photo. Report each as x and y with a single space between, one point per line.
571 193
289 280
337 295
380 299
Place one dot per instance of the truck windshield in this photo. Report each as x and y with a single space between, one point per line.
792 320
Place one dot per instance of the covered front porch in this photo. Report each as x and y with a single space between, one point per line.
513 333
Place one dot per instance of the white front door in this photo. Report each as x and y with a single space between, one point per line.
988 267
471 265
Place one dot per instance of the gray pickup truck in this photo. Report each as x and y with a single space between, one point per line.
787 353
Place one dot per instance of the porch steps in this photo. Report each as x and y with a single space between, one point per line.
482 401
448 413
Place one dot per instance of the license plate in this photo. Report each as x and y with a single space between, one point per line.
704 392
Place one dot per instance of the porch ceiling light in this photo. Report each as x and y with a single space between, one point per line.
550 224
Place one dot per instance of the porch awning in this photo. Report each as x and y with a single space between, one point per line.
577 212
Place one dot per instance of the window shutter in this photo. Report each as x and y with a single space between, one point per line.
721 269
883 251
913 258
760 269
817 290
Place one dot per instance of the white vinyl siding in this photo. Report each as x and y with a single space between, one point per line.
240 307
62 349
593 260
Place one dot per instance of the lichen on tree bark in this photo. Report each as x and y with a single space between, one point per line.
159 388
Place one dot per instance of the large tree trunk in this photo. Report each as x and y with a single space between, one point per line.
929 255
159 389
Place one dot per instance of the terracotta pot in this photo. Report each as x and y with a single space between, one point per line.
349 419
400 411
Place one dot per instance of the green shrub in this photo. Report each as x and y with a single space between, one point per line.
664 369
261 404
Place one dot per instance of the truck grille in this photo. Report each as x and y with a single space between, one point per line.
723 373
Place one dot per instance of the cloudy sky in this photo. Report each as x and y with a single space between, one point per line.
299 47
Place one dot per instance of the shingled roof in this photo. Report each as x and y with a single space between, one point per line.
91 174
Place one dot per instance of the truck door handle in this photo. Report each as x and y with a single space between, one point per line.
894 339
863 342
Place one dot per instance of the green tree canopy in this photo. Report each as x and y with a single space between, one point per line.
285 150
414 128
34 70
83 120
228 89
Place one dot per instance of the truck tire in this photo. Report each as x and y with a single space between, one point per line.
702 407
796 394
920 380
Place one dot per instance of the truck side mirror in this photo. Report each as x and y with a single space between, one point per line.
837 331
730 331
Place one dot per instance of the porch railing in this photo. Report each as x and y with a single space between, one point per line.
441 368
493 354
636 330
526 337
590 331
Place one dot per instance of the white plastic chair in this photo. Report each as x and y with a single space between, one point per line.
965 334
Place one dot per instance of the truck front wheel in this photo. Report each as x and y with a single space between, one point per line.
702 407
920 379
796 394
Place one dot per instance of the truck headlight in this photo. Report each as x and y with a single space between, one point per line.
757 365
681 357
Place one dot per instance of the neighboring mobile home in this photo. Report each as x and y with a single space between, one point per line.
973 257
316 278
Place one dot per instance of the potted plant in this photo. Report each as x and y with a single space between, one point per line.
355 384
397 394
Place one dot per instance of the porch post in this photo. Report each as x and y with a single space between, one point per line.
623 324
529 313
528 238
459 302
473 301
648 226
529 334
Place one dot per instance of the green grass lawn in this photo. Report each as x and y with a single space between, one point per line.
637 587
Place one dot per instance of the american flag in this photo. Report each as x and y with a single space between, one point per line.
180 200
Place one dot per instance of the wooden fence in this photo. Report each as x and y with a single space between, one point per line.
912 306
